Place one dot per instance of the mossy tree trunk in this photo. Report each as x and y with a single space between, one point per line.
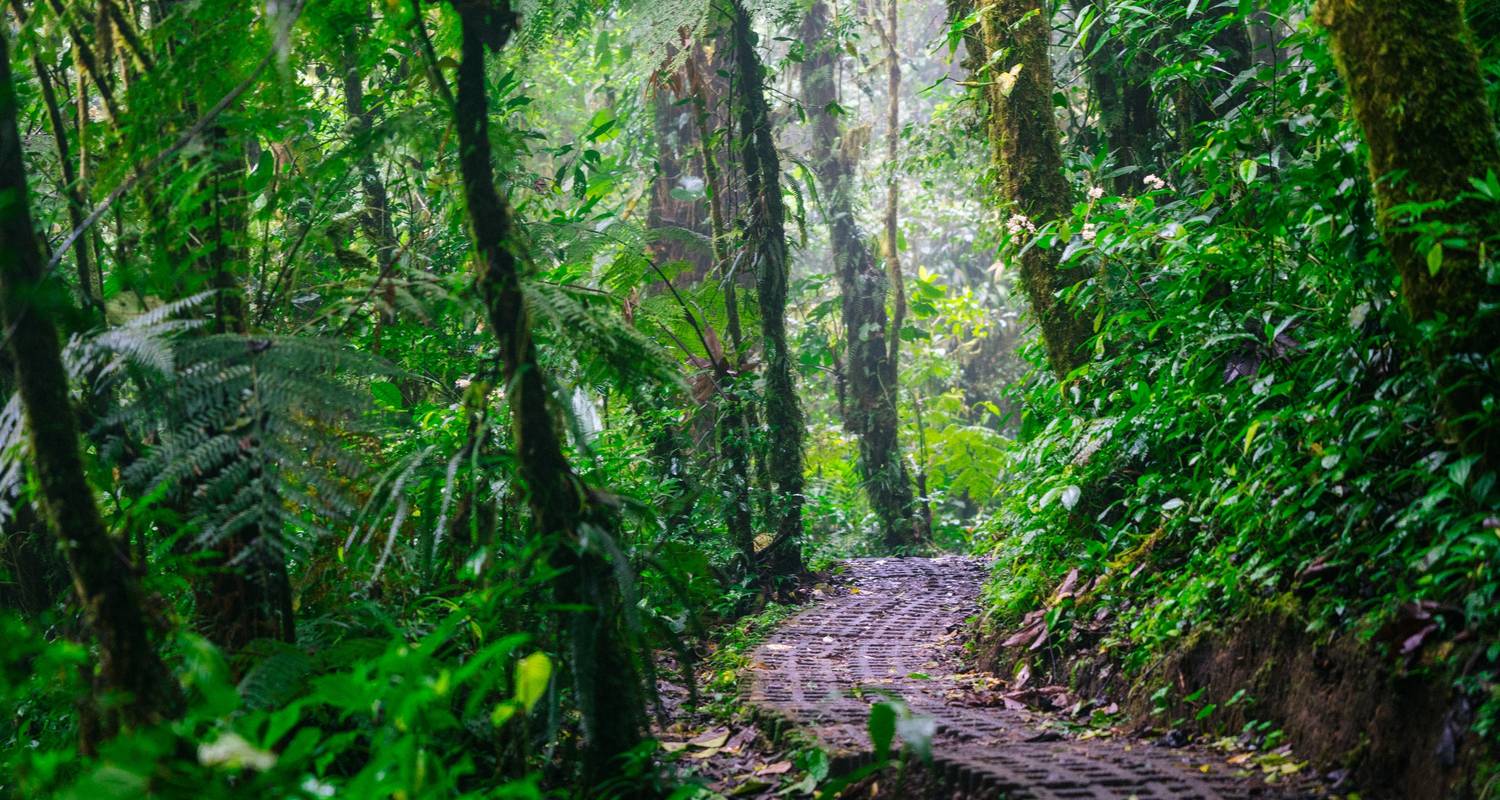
1028 161
1414 81
869 371
607 683
766 237
139 688
732 428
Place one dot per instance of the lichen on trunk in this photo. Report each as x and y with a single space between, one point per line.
765 235
1029 167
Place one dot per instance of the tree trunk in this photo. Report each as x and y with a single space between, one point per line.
143 690
870 411
1028 158
606 675
375 217
1122 92
732 428
766 236
1417 91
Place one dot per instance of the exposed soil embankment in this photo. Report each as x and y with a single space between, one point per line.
1393 730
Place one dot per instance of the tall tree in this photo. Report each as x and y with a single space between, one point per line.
1028 160
869 369
1414 81
765 234
142 690
606 676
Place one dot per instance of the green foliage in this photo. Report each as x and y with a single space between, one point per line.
1257 418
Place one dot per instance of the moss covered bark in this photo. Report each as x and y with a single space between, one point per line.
1415 87
870 371
607 683
765 234
140 689
1029 168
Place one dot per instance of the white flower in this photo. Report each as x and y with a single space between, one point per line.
232 751
1018 224
1154 183
463 383
1089 232
1096 192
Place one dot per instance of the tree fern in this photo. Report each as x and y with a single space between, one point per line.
142 346
255 434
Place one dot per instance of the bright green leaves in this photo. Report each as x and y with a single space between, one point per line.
1248 171
533 673
388 395
882 729
892 719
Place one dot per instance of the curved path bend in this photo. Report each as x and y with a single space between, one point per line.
904 616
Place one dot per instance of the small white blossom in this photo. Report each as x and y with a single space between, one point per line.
1096 192
1089 232
463 383
1154 183
1018 224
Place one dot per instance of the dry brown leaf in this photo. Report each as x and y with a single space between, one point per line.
715 738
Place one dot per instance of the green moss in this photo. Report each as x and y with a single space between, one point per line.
1415 86
1028 163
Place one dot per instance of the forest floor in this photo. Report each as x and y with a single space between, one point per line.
894 630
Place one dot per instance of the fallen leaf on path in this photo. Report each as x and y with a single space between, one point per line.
779 768
748 787
715 738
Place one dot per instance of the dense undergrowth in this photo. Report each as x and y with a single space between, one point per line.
1256 423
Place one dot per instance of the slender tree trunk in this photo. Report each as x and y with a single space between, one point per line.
144 691
870 410
1417 91
375 217
1028 158
766 237
72 187
893 477
1122 92
607 683
732 428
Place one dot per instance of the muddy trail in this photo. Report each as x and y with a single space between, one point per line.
898 631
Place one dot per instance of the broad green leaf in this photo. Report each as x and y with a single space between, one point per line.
532 676
882 728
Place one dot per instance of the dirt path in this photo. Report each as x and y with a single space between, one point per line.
901 621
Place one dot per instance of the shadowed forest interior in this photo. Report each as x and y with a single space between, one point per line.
437 399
